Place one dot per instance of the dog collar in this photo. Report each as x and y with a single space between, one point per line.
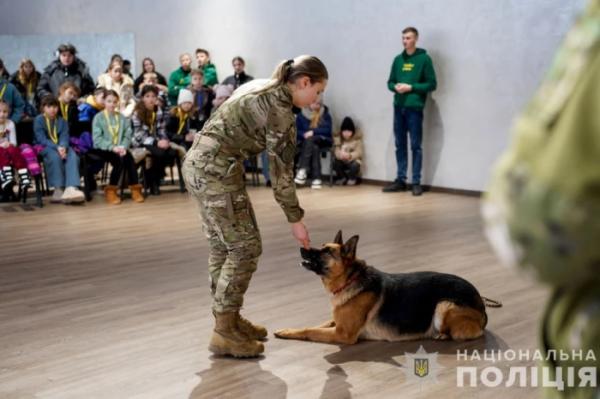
346 285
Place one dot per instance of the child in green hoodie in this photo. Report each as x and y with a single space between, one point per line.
412 76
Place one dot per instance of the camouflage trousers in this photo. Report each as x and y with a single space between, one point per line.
228 221
572 323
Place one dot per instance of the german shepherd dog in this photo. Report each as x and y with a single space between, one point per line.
370 304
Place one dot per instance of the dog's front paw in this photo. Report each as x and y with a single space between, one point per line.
287 333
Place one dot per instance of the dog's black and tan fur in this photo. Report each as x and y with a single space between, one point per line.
370 304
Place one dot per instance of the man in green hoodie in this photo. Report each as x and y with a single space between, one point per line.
411 78
180 78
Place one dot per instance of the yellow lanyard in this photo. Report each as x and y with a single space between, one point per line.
64 110
152 126
183 117
113 129
3 90
52 130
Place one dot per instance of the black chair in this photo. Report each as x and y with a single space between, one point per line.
324 152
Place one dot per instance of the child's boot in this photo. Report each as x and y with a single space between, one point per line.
136 193
111 196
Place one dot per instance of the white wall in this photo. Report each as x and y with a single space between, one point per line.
489 57
94 48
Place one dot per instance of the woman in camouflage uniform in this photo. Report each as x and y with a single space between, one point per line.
257 117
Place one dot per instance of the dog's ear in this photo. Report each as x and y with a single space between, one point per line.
338 238
349 248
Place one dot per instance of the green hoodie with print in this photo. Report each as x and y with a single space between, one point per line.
416 70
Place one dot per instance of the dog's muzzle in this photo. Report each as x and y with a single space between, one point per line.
311 260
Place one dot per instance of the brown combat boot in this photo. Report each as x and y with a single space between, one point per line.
111 196
252 331
136 193
227 339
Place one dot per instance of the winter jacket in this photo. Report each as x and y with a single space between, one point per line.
160 79
31 105
10 94
210 75
42 137
144 135
237 80
103 138
353 146
323 130
56 74
106 81
174 133
203 103
179 79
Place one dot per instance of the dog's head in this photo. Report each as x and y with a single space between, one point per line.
333 260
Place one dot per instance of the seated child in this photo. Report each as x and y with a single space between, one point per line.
181 127
93 104
127 101
348 148
151 78
313 133
10 155
68 93
112 138
222 93
150 135
203 98
60 160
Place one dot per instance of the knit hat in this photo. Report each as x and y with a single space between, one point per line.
223 91
185 96
348 124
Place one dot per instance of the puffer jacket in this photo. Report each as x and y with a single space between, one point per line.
56 74
353 146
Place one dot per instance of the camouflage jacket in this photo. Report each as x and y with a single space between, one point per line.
245 125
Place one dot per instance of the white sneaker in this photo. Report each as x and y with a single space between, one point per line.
57 196
316 183
351 182
72 195
300 176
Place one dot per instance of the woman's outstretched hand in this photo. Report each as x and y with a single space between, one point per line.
300 233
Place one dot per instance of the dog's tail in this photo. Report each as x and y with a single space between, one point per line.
491 303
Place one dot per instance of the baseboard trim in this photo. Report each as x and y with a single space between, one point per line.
433 189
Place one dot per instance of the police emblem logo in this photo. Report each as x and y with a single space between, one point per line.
421 368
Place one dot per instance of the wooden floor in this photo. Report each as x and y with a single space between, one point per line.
102 301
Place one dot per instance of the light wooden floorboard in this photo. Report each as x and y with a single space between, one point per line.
101 301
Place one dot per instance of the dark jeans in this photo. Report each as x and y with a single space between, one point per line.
161 158
408 121
310 156
119 164
346 169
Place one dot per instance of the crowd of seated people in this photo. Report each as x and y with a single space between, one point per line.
63 122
